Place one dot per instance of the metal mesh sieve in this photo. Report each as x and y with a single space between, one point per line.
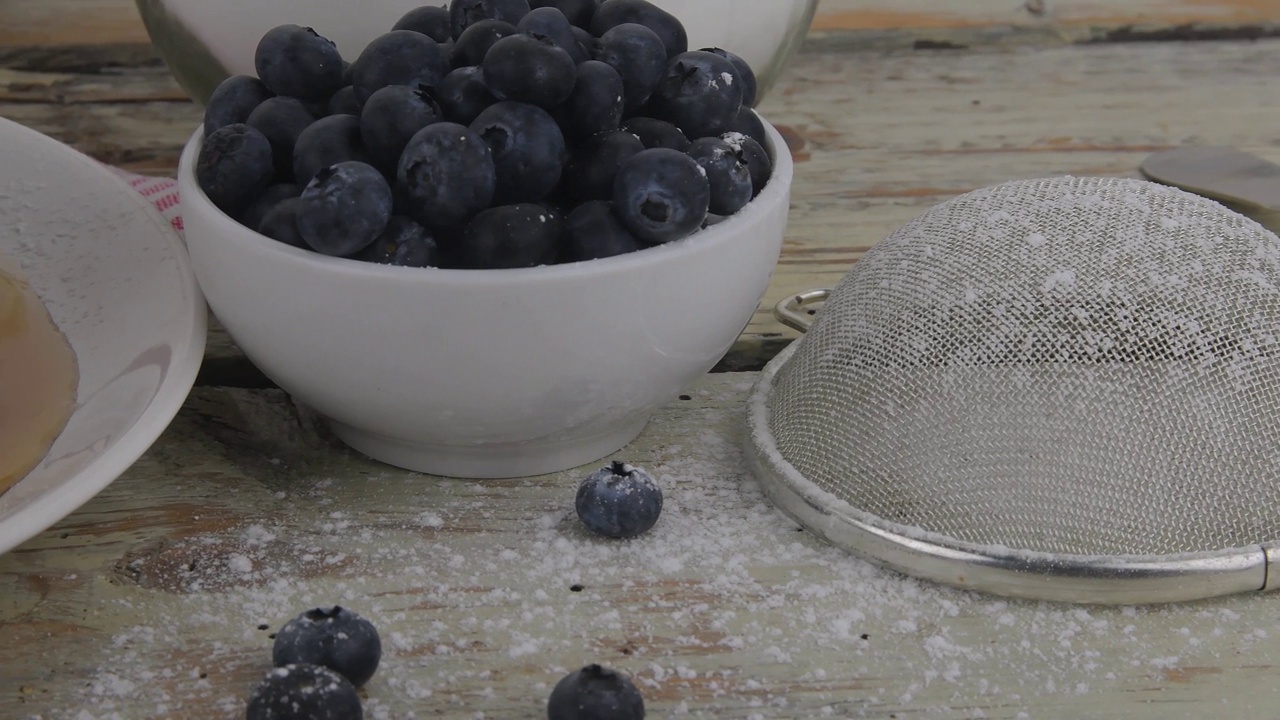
1063 388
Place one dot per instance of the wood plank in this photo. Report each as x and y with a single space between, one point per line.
157 599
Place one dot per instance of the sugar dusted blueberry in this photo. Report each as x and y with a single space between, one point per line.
748 123
595 692
661 195
746 75
344 208
619 501
233 100
303 692
700 93
234 165
654 133
333 637
727 174
298 62
758 162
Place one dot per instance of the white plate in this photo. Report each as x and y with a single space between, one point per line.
117 281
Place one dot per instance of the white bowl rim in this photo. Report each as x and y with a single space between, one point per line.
725 232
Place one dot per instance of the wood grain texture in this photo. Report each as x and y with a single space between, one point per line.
157 599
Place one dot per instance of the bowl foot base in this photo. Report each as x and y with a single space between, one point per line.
492 461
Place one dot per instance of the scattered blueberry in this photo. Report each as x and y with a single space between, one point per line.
595 105
464 13
258 208
462 94
550 23
595 693
528 150
619 501
344 208
333 637
474 42
511 236
757 159
661 195
700 93
429 20
638 55
281 223
399 57
727 174
234 165
389 118
529 69
666 26
654 133
233 100
296 61
282 120
343 102
591 170
578 12
327 141
446 175
746 75
404 243
593 231
303 692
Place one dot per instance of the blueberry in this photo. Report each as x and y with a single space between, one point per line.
281 223
593 231
234 165
595 105
727 174
327 141
746 75
403 242
586 40
343 102
619 501
390 117
399 57
295 61
529 69
344 208
661 195
700 93
233 100
654 133
528 150
282 120
511 236
667 26
462 94
334 637
759 164
594 164
476 40
303 692
464 13
549 22
749 123
446 175
578 12
638 55
428 20
257 209
595 693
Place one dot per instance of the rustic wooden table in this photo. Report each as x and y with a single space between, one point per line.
157 599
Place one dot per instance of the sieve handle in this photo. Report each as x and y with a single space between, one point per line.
797 311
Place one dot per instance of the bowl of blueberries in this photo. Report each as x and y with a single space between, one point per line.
487 245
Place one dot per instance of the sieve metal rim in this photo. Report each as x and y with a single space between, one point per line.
1009 572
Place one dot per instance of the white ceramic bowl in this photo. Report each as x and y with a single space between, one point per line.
116 281
487 373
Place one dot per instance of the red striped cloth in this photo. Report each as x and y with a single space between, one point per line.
161 191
